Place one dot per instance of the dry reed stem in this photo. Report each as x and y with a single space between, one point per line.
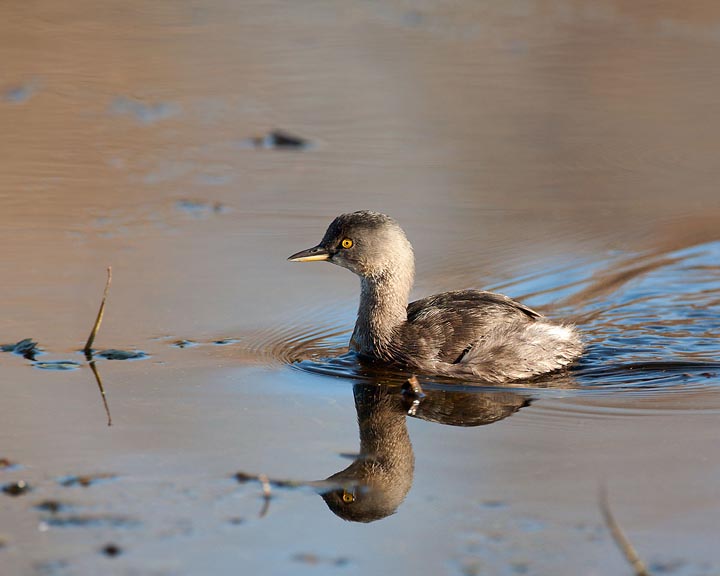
88 345
619 537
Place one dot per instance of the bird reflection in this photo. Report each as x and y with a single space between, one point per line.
376 483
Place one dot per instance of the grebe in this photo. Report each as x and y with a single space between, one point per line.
461 334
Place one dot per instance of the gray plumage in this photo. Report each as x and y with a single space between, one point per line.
382 474
466 333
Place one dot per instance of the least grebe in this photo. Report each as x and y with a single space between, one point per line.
465 333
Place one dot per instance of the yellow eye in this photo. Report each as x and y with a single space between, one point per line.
348 496
346 243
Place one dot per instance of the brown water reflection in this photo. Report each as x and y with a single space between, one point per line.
380 477
564 151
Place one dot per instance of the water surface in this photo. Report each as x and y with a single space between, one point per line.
560 152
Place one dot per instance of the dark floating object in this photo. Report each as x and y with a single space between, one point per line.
85 480
226 341
83 520
16 488
184 343
278 140
6 463
58 365
111 550
113 354
494 504
52 506
236 520
243 477
27 348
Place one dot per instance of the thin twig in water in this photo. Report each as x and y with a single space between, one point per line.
102 390
621 540
267 483
267 493
88 345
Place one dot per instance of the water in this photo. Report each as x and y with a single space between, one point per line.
561 153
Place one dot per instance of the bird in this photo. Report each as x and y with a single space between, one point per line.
468 334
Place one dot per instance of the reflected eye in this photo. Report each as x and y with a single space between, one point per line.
348 496
346 243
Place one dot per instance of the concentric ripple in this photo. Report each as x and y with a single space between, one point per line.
651 326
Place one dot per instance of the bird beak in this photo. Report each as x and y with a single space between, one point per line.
314 254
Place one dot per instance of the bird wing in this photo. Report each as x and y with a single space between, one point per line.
446 326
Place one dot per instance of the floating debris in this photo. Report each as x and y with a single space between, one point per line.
236 520
267 483
318 485
306 558
83 520
113 354
58 365
16 488
143 112
185 344
85 480
26 348
111 550
51 567
277 140
494 504
266 494
6 463
52 506
200 207
244 477
226 341
314 559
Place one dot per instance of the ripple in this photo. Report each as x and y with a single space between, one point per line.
301 339
650 322
292 344
591 388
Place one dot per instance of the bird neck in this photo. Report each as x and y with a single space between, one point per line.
383 308
383 429
385 466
